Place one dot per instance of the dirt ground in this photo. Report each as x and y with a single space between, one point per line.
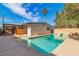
65 31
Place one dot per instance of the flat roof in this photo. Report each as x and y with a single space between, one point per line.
31 23
38 23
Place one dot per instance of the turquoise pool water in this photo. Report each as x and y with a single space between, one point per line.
45 44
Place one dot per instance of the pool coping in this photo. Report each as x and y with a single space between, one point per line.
31 37
35 36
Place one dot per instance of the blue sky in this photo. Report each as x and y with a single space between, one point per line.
17 13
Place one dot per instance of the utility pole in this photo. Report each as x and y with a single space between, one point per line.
3 25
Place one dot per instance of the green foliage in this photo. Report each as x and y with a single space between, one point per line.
69 18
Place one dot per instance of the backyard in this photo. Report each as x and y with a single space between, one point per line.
10 47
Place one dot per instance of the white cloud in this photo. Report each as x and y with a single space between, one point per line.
6 20
30 13
18 10
19 4
36 14
24 21
27 5
35 19
36 11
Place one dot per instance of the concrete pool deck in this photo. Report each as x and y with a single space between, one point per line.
10 47
69 47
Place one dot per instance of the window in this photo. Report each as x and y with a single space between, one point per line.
48 28
20 27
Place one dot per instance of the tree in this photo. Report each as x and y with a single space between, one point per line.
69 16
57 21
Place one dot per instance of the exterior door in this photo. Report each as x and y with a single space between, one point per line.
29 31
52 31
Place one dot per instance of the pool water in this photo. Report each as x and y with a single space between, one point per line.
45 44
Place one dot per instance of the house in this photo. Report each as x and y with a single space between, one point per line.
30 29
19 30
37 28
9 28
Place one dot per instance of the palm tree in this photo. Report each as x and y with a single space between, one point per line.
45 11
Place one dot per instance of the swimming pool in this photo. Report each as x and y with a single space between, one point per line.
45 44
